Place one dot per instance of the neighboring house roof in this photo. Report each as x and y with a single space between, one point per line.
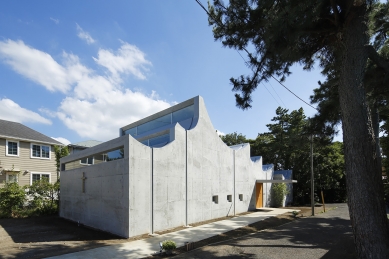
15 130
87 143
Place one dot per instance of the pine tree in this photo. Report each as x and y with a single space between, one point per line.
335 33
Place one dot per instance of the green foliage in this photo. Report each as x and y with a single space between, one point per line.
234 139
38 199
287 147
44 196
12 198
278 193
60 151
168 245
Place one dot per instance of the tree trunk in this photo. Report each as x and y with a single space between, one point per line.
363 173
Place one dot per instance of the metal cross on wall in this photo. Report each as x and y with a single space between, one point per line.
83 178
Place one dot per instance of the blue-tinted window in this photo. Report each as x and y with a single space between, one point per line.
159 141
131 132
183 114
154 124
186 124
115 154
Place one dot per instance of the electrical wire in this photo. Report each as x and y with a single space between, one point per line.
248 53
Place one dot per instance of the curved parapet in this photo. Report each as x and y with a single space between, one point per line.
175 170
169 182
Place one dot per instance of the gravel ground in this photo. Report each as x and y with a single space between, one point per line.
327 235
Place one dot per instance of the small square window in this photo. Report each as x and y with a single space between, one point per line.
215 199
241 197
229 198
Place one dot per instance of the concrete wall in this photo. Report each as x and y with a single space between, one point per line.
154 189
210 171
246 173
139 191
169 182
105 203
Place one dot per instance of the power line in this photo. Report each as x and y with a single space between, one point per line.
248 53
276 93
271 94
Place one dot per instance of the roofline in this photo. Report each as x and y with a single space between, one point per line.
160 113
32 140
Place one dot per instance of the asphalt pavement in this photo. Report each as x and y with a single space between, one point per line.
326 235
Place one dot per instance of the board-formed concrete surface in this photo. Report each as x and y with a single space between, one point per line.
149 246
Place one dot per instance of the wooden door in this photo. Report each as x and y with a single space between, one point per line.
259 192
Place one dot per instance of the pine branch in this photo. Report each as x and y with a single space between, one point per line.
376 58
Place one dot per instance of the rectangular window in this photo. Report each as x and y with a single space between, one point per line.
215 199
132 131
229 198
183 114
45 151
12 178
40 151
12 148
154 124
241 197
87 161
39 177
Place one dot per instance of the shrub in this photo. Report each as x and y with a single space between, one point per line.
279 190
168 245
12 198
44 196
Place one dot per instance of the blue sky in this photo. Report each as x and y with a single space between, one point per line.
78 70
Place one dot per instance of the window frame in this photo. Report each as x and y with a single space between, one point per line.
6 147
40 173
87 159
40 145
7 177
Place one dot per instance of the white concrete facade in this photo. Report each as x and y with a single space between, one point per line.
157 188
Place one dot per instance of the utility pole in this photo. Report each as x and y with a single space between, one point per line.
312 181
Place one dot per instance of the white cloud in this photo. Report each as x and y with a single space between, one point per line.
47 112
96 105
62 140
84 35
56 21
128 59
11 111
102 117
35 65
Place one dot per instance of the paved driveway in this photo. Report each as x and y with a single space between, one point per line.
326 236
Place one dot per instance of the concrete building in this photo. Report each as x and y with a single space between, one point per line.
26 155
167 170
